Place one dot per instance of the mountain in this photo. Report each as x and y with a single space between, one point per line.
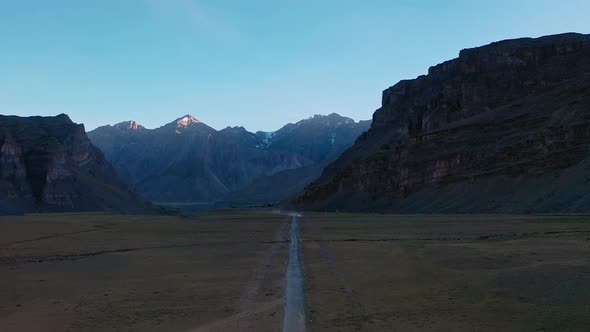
502 128
188 161
49 164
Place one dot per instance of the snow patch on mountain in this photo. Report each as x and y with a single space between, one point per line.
267 137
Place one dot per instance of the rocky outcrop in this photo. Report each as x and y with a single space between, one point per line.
494 130
13 172
49 164
188 161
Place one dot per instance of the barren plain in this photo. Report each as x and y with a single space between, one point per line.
225 271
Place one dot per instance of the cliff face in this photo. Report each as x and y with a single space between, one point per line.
503 128
49 164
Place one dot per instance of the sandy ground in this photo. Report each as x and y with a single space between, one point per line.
81 272
447 273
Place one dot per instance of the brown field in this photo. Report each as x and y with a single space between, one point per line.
96 272
224 271
447 273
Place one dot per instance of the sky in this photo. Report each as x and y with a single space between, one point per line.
253 63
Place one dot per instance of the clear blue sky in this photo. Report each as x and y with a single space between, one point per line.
255 63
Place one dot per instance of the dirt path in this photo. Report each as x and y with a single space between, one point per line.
237 322
260 308
294 320
260 276
290 304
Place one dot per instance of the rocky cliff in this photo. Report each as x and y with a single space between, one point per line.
503 128
49 164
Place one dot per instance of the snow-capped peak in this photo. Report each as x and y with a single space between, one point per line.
134 125
187 120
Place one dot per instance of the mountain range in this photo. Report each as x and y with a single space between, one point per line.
187 161
502 128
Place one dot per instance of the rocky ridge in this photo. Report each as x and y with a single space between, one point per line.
49 164
503 128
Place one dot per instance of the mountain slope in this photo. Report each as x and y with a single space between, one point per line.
272 189
49 164
503 128
187 161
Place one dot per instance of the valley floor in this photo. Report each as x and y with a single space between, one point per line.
225 271
447 273
96 272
